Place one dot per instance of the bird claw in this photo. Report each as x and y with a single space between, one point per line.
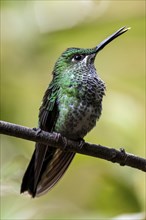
64 140
81 143
57 136
37 130
65 143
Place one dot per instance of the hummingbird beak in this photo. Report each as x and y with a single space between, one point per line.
110 38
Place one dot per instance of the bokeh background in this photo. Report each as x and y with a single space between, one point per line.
33 35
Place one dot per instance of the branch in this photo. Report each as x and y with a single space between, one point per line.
57 141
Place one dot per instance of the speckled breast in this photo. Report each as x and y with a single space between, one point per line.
79 107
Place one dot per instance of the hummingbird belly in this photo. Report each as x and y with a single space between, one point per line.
76 119
80 105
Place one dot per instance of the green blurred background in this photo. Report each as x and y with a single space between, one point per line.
33 35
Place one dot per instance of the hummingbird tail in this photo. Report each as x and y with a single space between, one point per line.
45 169
28 178
54 171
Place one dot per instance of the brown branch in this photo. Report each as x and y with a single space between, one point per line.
56 140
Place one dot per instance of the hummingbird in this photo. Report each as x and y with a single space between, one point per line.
71 106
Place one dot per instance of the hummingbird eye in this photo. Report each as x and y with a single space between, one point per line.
77 57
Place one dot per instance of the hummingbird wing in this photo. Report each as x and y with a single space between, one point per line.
47 164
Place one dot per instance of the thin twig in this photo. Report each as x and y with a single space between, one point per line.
56 140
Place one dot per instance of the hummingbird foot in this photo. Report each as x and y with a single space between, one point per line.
65 142
57 136
81 143
37 130
60 139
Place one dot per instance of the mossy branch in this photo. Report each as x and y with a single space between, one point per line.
56 140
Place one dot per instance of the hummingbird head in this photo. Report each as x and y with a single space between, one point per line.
79 58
